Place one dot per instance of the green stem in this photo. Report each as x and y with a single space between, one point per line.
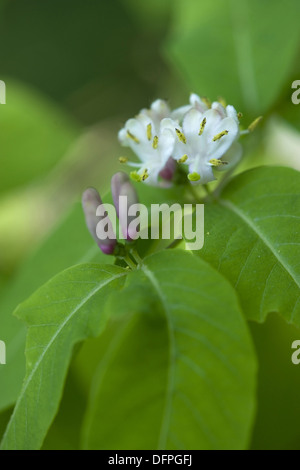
129 261
194 193
175 243
223 183
207 189
136 256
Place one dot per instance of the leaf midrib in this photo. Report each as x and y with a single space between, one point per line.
172 352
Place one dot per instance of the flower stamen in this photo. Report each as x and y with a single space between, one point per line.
181 136
145 175
215 162
149 131
206 101
202 126
135 176
222 101
254 124
220 135
123 159
183 159
155 142
132 137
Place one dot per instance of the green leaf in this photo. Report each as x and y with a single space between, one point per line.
149 16
4 419
64 433
278 414
179 371
35 135
253 239
69 244
239 49
68 309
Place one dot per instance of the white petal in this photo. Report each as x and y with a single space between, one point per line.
166 145
204 169
122 136
216 149
232 156
137 129
168 123
231 112
219 108
161 108
192 122
179 113
144 120
197 103
213 120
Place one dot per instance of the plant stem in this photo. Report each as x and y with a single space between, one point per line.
136 256
194 193
216 193
129 261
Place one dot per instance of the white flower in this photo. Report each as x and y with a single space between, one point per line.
200 134
152 139
205 138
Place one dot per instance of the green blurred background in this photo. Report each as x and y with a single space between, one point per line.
75 70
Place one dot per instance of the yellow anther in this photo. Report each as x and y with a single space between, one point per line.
123 159
240 115
181 136
145 175
183 159
149 131
135 176
222 101
220 135
202 126
254 124
206 101
132 137
155 142
215 162
194 176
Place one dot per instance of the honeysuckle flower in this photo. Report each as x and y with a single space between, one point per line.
202 135
91 200
152 141
205 137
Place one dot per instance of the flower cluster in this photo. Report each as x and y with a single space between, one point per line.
201 135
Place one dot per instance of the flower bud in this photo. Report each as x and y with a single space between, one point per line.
116 182
124 196
168 171
91 200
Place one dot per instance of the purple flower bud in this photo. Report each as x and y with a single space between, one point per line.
127 191
168 171
124 196
91 200
116 182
